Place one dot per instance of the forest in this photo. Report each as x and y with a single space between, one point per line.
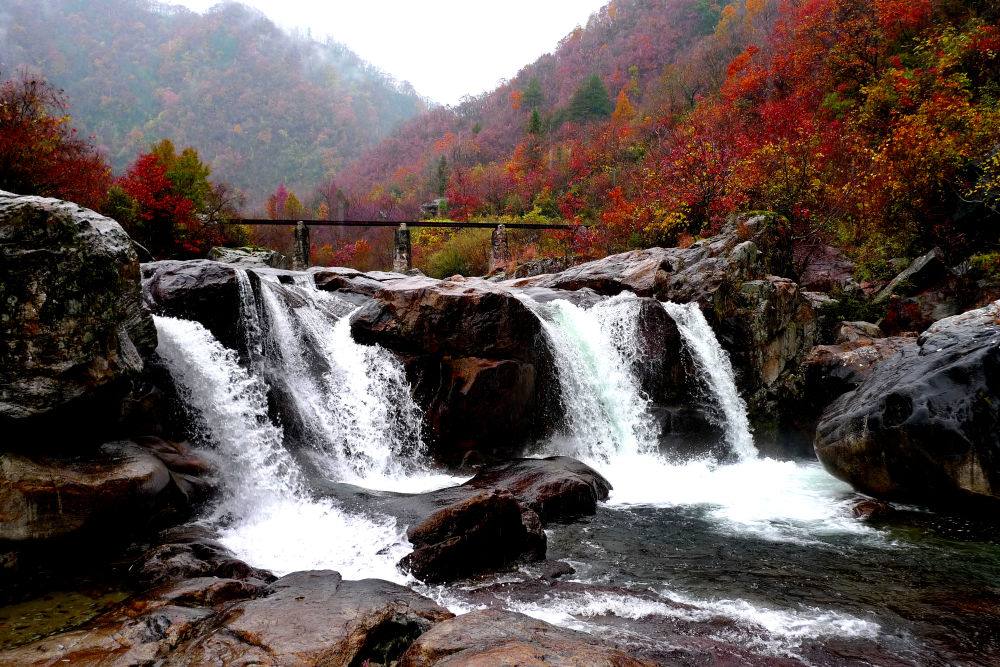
260 105
870 125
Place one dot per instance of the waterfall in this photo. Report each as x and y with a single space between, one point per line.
227 406
266 514
350 403
716 371
606 412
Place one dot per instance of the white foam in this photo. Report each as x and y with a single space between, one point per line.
292 534
776 500
759 622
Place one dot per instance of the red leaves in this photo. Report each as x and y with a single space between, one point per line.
39 154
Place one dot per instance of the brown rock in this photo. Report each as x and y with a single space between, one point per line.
460 317
486 531
558 488
44 497
316 618
73 330
494 637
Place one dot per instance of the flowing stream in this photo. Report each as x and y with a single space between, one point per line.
761 553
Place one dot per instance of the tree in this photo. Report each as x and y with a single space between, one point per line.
535 124
533 97
188 174
590 101
39 153
441 177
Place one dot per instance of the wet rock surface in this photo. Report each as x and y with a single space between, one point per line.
487 531
475 355
557 488
305 618
44 497
494 520
924 425
316 618
251 258
494 637
73 330
199 290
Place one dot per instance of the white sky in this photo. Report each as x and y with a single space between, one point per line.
445 48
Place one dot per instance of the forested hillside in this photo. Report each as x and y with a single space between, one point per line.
261 106
872 125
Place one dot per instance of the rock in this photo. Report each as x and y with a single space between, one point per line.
250 257
823 268
925 426
199 290
871 510
316 618
925 272
558 488
480 402
305 618
853 332
73 330
831 370
461 317
475 355
486 531
495 637
768 330
638 271
344 280
44 497
135 633
751 247
190 555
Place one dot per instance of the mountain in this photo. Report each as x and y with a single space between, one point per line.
260 105
874 126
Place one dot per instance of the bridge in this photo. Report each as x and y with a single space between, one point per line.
402 259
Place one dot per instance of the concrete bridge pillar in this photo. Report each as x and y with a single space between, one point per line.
300 247
499 250
402 259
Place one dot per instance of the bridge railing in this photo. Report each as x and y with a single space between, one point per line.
402 260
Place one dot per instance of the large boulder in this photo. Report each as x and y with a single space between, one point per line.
475 354
495 519
925 425
558 488
103 491
486 531
496 637
73 330
751 247
316 618
199 290
306 619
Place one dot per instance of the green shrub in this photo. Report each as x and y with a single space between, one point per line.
465 253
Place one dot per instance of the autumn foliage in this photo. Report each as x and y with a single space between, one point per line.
874 125
40 154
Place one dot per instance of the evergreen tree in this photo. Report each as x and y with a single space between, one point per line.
535 124
591 100
533 97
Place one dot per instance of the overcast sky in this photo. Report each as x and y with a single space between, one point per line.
445 48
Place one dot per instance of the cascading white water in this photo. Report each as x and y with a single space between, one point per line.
606 412
353 401
266 515
714 367
228 405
